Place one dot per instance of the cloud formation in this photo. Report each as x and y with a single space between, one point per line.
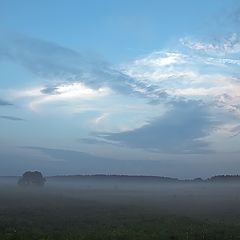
227 45
11 118
5 103
69 92
210 78
181 130
61 65
191 84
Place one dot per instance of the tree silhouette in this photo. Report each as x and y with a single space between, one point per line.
32 178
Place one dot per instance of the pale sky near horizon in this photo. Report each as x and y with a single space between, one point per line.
84 84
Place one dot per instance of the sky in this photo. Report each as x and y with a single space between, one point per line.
120 87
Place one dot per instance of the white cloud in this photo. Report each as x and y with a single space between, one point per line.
68 92
112 95
229 45
160 59
211 79
101 118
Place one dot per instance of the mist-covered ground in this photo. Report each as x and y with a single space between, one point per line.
107 208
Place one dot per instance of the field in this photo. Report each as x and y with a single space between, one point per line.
115 209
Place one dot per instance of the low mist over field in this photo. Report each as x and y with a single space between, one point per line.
112 207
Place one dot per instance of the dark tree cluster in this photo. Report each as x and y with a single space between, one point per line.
32 179
224 178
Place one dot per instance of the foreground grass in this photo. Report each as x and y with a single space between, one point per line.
41 215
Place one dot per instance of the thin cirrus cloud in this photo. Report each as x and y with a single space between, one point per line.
156 76
71 93
62 65
182 74
5 103
11 118
227 45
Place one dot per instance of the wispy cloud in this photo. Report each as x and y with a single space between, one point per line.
11 118
61 65
70 92
160 58
227 45
101 118
80 82
210 78
5 103
194 79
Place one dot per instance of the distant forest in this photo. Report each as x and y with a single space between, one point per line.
217 178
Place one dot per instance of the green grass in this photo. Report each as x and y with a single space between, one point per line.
48 214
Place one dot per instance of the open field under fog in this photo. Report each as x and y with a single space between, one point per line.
94 208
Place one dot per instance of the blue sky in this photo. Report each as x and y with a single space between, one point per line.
153 84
